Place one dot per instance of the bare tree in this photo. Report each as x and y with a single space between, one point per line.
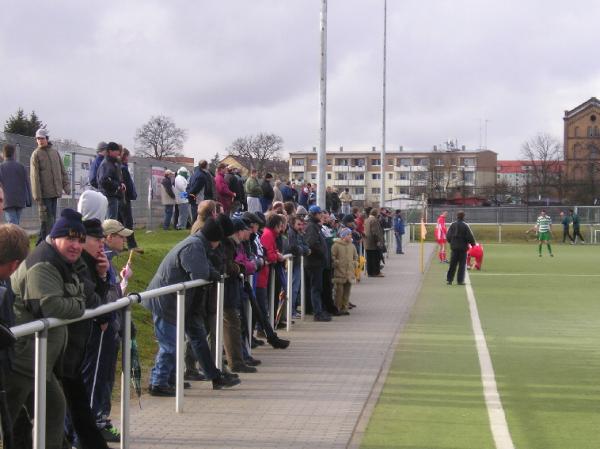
257 150
543 154
159 138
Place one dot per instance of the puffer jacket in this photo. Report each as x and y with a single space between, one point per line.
269 242
45 286
48 175
344 259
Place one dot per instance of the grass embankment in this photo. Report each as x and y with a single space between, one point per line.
540 317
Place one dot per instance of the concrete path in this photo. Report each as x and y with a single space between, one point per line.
315 394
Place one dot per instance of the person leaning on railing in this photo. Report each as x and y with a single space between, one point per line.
47 285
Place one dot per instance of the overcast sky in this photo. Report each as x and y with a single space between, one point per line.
229 68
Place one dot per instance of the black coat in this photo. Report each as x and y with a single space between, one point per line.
267 189
110 177
319 251
459 236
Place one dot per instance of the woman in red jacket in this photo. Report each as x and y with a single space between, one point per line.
274 226
224 194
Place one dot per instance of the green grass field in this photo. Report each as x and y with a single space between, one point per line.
540 317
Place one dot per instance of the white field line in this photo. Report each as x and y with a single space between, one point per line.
493 403
540 274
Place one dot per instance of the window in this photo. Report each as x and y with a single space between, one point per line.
405 162
313 176
403 176
390 176
375 175
342 175
358 162
328 161
469 176
328 175
298 162
343 162
596 131
390 161
359 176
423 162
403 191
375 191
390 190
359 190
576 132
469 162
313 162
375 161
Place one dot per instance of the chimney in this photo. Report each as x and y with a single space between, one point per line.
464 148
314 149
373 149
435 148
341 148
401 148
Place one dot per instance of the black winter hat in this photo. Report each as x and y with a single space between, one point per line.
212 230
68 225
253 218
226 224
93 228
349 218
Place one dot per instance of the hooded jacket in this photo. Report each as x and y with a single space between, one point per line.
344 258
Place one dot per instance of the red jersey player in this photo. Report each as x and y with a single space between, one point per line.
475 256
440 236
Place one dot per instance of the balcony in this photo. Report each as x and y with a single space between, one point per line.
297 168
411 168
349 182
349 168
402 182
358 197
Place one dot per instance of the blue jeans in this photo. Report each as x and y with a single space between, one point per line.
316 289
47 213
296 278
12 215
163 370
398 242
184 212
113 208
168 216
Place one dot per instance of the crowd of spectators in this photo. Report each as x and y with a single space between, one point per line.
243 233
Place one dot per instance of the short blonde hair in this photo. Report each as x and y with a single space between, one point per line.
14 243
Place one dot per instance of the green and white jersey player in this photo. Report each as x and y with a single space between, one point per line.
543 226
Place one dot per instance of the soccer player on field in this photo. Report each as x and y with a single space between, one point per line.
475 256
440 236
543 227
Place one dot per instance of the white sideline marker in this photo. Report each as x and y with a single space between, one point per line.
500 433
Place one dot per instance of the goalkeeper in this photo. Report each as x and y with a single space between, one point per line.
543 227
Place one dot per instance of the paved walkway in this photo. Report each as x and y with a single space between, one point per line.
311 395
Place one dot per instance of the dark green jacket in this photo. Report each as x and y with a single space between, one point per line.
252 187
46 286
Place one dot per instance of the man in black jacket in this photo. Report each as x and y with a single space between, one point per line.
459 236
268 194
110 179
316 262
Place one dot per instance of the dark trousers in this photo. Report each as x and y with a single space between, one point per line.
126 219
576 233
316 289
327 292
82 418
168 216
198 340
98 372
457 260
47 213
258 314
113 207
566 234
373 261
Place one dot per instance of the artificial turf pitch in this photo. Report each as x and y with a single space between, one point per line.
541 318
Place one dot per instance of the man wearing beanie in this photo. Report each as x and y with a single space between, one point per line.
48 181
95 281
344 259
48 285
185 262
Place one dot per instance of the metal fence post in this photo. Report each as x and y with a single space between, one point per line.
125 377
180 350
219 326
39 422
499 232
302 290
290 298
272 297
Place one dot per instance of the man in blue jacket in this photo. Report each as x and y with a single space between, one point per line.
398 230
100 153
110 179
17 191
130 194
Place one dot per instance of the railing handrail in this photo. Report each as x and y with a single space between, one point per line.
32 327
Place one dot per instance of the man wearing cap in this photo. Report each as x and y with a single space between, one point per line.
100 154
98 369
167 197
316 262
181 197
185 262
48 180
253 192
110 179
47 284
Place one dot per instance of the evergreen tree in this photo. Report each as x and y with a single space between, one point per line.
214 162
21 124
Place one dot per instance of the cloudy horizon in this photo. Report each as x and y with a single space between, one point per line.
223 70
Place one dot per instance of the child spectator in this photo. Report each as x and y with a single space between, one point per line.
344 258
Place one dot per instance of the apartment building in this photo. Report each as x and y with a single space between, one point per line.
440 174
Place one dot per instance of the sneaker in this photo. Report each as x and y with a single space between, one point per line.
224 381
322 317
261 334
111 434
352 306
296 316
251 361
157 390
193 375
279 343
243 368
257 342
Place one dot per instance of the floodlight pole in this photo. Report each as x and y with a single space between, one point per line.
383 161
322 156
